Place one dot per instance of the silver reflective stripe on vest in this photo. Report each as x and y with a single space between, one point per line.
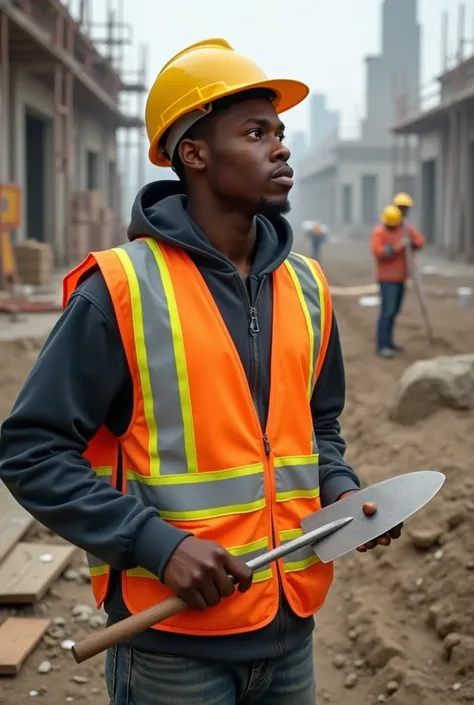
201 495
310 296
246 553
157 331
296 477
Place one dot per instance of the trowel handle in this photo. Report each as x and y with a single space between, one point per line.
128 627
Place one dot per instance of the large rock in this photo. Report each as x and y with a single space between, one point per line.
429 385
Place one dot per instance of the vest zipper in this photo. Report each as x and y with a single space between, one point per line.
254 331
254 390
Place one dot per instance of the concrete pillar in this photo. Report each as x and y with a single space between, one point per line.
4 101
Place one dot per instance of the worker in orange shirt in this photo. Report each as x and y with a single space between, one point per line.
388 244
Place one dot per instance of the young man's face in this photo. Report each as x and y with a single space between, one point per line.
246 160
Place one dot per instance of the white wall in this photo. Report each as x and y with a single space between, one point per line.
350 173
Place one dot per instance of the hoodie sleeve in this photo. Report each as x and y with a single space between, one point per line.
327 404
75 381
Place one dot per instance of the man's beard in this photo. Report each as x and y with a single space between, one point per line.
270 209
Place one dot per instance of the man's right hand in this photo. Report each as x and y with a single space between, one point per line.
201 573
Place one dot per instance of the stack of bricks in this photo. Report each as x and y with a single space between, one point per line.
94 227
35 263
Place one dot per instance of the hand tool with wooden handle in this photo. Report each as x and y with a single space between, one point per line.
142 621
327 531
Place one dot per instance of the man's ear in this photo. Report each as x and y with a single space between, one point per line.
193 154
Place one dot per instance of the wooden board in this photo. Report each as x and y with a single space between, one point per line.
18 638
24 578
14 521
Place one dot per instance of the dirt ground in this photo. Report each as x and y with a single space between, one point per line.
398 626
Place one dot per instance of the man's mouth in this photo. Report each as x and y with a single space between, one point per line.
284 176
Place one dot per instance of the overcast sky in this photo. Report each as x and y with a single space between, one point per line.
322 42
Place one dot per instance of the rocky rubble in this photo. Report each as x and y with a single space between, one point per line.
429 385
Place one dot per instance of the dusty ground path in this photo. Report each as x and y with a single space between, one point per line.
382 628
393 616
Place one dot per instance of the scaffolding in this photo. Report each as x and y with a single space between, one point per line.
85 71
448 111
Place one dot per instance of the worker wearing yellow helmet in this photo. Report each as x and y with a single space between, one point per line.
198 378
388 245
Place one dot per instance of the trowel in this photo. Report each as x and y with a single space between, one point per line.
332 532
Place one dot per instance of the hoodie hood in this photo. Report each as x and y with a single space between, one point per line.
159 211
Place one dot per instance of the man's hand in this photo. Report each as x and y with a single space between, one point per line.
202 572
369 509
406 240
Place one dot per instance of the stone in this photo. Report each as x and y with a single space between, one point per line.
383 652
96 621
70 574
84 574
392 687
451 640
381 698
428 385
80 679
59 621
424 538
44 667
350 680
82 613
462 656
339 661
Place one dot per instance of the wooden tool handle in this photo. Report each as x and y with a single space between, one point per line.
128 627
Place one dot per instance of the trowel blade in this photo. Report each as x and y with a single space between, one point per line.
396 499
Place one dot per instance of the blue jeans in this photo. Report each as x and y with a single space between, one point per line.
138 678
391 298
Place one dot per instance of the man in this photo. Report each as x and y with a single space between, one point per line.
318 238
389 243
148 432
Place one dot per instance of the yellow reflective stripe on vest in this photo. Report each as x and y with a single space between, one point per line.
202 495
160 356
296 477
245 552
311 297
300 559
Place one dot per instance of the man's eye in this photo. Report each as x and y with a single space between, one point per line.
281 137
257 132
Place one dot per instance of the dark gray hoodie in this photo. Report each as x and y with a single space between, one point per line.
81 381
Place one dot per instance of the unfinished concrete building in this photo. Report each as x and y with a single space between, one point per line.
59 116
444 126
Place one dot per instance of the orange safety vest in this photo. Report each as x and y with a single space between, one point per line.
195 448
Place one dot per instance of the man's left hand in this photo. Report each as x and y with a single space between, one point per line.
369 509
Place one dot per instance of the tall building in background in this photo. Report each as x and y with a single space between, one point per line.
298 146
322 121
395 71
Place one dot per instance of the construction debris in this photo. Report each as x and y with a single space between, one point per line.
429 385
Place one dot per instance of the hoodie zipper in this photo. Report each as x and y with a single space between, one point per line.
254 329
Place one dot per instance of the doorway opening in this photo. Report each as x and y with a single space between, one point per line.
428 200
35 157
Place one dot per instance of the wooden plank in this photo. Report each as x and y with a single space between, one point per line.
26 573
14 521
18 638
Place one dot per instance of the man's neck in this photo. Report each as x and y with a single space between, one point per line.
231 233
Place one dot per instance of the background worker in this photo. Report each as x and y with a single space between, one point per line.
318 234
146 432
388 245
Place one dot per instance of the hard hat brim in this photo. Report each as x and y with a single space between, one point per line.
289 93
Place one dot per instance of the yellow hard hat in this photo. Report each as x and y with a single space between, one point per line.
202 73
403 199
391 216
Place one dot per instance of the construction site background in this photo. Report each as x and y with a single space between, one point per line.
398 627
72 138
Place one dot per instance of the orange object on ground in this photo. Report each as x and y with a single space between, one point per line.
194 449
388 249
